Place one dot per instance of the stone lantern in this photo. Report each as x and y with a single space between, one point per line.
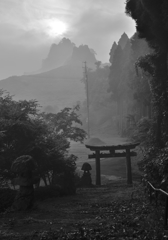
24 166
86 179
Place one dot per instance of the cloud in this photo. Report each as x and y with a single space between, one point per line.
99 28
30 15
24 26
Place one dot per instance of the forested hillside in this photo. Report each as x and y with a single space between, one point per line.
119 94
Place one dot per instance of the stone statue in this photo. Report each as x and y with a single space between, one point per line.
23 167
86 180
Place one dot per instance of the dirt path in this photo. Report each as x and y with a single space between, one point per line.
113 211
65 212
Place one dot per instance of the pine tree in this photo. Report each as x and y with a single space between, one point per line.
112 51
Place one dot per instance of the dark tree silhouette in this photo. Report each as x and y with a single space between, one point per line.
151 23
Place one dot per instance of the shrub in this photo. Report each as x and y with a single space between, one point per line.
7 198
64 174
155 166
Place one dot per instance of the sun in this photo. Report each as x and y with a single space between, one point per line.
55 27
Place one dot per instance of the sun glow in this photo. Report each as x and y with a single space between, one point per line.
55 27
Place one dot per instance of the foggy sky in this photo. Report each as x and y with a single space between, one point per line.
27 29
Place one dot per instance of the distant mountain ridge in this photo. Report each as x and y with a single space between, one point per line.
57 83
66 53
60 87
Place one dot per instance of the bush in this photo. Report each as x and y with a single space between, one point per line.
155 166
65 175
7 198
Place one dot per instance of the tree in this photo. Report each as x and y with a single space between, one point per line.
115 73
98 64
100 104
20 126
112 51
151 24
51 149
45 137
119 81
139 80
66 124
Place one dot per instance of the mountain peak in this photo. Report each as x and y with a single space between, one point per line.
58 54
82 54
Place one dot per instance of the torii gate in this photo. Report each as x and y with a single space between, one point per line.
99 153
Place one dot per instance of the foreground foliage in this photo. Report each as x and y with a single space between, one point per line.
45 137
155 166
151 24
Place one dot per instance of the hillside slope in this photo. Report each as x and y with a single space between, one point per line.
58 83
61 86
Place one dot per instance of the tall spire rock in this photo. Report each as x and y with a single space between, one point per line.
58 54
123 40
82 54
